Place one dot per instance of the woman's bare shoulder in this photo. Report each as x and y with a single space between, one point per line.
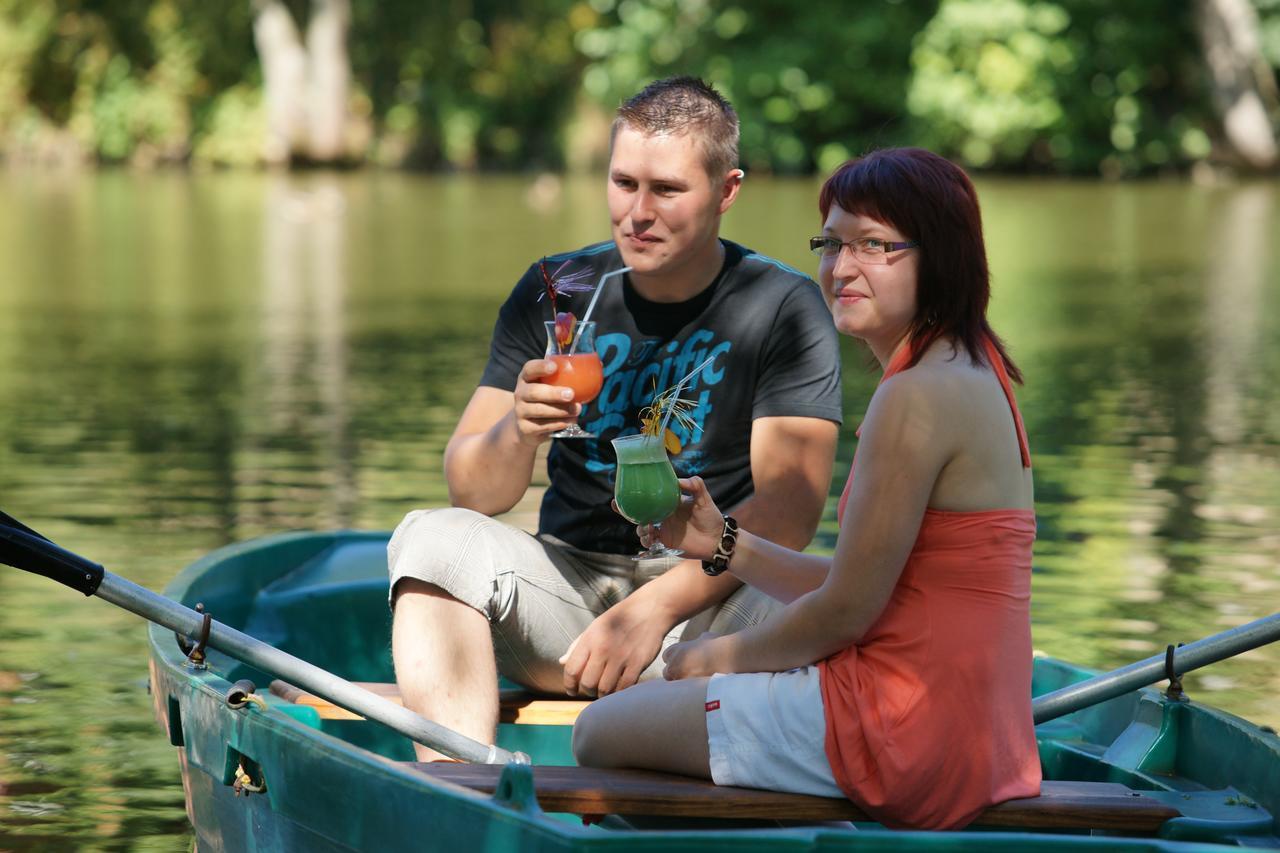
911 412
939 378
951 393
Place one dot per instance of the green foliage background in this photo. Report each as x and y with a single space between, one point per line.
1071 86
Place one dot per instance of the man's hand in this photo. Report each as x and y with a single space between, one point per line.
541 409
614 650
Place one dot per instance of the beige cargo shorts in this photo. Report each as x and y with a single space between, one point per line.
538 593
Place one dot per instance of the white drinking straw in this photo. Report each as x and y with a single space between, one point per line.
675 395
591 306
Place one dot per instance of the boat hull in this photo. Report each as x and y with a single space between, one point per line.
345 784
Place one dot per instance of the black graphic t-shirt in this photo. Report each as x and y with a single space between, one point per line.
774 350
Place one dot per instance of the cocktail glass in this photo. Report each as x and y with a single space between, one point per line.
578 367
645 487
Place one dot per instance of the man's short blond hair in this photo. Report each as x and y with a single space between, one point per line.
685 105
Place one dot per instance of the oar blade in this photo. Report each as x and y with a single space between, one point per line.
23 548
7 520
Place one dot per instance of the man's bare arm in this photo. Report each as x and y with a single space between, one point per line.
791 461
488 462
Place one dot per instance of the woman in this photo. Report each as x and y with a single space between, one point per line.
899 673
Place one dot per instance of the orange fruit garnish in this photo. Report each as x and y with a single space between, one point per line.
672 442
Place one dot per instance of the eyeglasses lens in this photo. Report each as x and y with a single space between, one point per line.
829 247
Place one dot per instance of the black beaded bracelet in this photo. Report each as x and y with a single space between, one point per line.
719 561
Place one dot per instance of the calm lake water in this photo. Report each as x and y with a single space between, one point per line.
190 361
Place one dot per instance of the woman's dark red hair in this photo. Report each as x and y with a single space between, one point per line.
929 199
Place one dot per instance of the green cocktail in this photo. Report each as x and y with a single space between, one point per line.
645 486
647 491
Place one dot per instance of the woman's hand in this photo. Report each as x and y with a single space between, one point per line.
695 527
706 655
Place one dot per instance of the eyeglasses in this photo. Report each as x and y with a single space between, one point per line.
869 250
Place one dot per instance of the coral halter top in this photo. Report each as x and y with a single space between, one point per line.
929 714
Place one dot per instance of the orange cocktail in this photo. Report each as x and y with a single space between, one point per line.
581 371
577 367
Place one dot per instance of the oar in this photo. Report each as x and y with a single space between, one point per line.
23 548
1182 660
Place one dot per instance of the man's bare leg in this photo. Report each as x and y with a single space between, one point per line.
445 667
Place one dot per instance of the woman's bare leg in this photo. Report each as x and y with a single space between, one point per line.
655 725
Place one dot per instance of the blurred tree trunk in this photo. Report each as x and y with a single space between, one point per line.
1243 86
306 86
330 77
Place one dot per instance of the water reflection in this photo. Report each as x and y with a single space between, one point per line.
188 361
1242 470
1150 519
296 395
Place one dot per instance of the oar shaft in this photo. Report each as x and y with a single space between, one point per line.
1136 675
170 614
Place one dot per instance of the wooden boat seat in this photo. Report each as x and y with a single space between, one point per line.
592 791
514 706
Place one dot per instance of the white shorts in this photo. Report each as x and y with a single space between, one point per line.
768 730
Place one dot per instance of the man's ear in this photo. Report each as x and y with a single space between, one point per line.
729 190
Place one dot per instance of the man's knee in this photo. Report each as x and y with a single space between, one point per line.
432 608
444 555
425 616
427 623
424 531
412 587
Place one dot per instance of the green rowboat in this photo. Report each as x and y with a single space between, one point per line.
267 766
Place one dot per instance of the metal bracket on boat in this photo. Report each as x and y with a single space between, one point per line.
515 788
241 694
1175 692
246 784
195 651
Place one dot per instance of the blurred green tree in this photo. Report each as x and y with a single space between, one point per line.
812 86
470 84
1073 86
115 79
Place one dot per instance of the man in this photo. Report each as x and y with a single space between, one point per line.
568 611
